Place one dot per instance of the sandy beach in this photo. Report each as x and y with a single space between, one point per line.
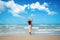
28 37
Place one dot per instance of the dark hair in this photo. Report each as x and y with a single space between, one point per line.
30 22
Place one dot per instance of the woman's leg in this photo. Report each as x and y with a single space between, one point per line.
30 29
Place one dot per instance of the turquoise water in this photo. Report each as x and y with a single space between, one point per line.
36 29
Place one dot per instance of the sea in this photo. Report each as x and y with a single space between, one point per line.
41 29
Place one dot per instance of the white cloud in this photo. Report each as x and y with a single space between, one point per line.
45 4
32 15
38 6
15 8
50 12
1 6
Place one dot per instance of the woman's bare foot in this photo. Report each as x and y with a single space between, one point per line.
29 33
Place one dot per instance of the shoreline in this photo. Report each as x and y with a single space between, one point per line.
33 34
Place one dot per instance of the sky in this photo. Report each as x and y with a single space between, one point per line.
20 11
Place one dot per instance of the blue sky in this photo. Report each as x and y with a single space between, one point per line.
19 11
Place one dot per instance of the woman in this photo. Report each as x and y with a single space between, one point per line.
30 26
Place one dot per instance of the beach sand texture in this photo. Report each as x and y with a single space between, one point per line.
28 37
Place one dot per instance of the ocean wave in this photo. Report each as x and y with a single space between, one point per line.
32 27
48 30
